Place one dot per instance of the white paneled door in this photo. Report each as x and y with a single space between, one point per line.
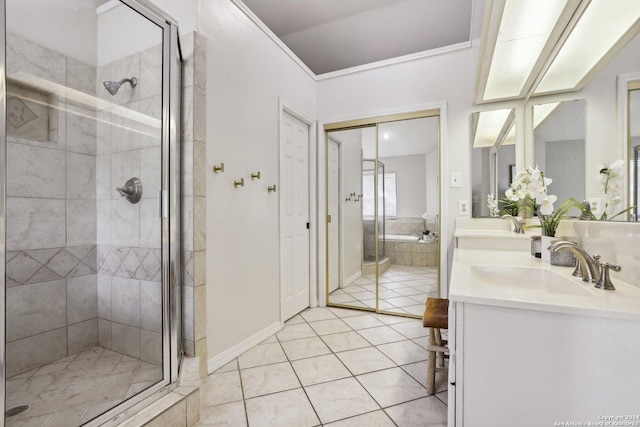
333 207
294 216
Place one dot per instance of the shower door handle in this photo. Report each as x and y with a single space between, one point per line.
163 196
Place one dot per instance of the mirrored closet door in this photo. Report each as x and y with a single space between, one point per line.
383 205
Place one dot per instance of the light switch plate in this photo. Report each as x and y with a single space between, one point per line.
596 205
463 208
456 178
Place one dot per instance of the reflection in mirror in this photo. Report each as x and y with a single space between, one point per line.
399 178
408 171
351 244
559 147
634 153
493 157
506 165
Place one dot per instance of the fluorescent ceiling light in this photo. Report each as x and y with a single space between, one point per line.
542 111
524 30
600 28
490 125
511 136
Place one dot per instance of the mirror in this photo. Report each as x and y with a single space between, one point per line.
351 241
633 146
559 147
601 142
383 200
493 158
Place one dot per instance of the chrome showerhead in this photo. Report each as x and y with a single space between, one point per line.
112 87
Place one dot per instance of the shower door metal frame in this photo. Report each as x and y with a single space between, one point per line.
169 210
3 205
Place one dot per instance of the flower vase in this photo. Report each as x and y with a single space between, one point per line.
545 253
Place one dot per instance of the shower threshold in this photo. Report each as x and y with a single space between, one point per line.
77 388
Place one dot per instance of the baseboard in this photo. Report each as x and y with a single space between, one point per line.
352 278
227 356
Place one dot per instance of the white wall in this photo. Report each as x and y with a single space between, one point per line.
351 211
506 158
69 29
246 75
565 161
480 182
433 191
411 184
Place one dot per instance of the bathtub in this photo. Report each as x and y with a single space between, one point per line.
406 249
400 238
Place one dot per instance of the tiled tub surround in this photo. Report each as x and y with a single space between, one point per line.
404 225
418 254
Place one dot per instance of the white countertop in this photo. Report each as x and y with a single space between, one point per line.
490 234
473 281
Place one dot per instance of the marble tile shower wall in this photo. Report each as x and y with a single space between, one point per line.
194 196
128 145
51 210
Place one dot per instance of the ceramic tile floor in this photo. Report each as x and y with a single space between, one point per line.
403 289
329 366
73 390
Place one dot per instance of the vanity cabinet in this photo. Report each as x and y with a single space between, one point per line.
528 367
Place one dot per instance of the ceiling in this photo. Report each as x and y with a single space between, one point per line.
332 35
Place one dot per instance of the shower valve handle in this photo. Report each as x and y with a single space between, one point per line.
132 190
125 191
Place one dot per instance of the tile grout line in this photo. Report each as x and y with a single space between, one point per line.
304 390
348 370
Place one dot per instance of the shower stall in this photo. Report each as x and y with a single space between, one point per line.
90 234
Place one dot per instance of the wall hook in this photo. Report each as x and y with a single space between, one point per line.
218 168
352 194
255 176
238 183
348 199
271 188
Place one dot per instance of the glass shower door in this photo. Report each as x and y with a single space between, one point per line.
85 283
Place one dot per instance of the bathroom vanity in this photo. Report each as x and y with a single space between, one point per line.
533 346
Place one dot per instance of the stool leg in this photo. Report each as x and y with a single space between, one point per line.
438 338
431 365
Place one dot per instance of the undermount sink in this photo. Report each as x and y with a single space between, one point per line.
530 279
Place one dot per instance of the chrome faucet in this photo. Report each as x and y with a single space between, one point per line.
589 266
517 224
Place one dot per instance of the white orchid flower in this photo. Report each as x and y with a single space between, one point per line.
618 165
535 174
521 194
546 204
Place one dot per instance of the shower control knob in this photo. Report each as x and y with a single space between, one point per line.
132 190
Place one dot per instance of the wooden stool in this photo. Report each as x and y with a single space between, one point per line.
436 317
